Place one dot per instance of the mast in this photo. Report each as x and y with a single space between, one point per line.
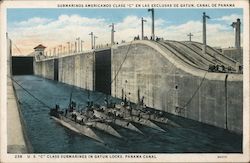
70 99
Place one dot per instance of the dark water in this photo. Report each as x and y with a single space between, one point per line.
47 136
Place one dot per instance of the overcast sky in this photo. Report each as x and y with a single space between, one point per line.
52 27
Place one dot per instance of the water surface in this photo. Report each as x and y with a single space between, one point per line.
47 136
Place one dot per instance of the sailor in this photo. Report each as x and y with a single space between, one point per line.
125 100
130 111
88 103
217 68
57 107
142 100
66 111
106 101
72 106
240 68
237 65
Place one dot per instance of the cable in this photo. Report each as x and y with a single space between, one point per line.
121 63
17 48
98 98
188 102
30 93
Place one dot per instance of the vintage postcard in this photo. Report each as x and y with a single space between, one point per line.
124 81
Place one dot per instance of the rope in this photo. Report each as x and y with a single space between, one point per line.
98 98
17 48
30 93
188 102
121 63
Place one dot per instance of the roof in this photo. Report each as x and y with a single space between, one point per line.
40 46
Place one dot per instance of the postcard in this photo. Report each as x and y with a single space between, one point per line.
124 81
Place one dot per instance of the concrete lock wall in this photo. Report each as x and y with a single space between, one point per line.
166 83
172 87
75 70
17 140
45 68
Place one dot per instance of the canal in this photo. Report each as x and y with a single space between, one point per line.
47 136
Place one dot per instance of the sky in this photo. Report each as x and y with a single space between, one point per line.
52 27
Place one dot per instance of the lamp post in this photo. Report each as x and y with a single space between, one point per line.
54 53
68 46
153 23
236 26
142 28
58 50
78 42
205 17
95 37
91 35
75 47
112 34
60 46
82 45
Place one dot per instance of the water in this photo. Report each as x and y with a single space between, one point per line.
47 136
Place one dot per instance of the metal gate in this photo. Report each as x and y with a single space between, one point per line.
56 69
103 71
22 65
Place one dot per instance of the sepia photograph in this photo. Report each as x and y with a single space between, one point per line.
119 82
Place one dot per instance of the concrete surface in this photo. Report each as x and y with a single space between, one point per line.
75 70
169 80
172 76
16 142
191 136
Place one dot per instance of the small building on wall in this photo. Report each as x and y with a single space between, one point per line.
39 52
234 53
